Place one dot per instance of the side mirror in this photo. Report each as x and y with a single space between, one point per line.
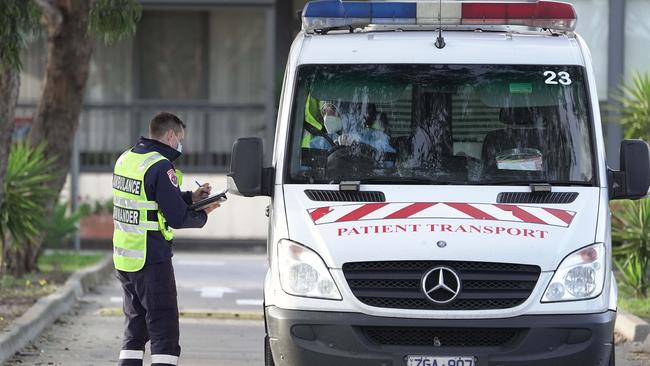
247 176
633 180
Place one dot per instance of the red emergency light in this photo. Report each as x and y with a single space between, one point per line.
540 14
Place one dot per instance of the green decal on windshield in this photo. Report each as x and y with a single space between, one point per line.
521 88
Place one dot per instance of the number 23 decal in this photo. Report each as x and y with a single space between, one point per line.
552 77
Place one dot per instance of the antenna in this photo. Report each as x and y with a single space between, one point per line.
440 41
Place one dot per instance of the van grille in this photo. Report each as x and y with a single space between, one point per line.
345 196
441 337
530 197
484 286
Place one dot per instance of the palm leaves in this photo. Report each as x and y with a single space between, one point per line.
26 196
635 107
631 231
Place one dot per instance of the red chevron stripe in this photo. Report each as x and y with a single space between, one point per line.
361 212
318 213
410 210
524 216
471 211
560 214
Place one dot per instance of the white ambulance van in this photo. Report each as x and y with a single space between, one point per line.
439 191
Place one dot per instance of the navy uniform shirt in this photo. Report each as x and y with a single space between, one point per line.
161 186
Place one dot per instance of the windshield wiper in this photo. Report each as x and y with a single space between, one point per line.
406 180
530 182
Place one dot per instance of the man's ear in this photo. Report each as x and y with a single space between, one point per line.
169 136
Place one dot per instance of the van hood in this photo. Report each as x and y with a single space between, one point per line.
442 223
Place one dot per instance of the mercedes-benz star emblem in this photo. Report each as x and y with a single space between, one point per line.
441 285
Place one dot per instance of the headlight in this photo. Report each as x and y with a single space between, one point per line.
303 272
580 276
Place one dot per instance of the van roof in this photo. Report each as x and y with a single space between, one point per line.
462 47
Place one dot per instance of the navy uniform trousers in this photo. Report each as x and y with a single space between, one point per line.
151 309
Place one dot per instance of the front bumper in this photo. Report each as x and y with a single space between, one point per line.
315 338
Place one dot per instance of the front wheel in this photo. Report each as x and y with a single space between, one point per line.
268 356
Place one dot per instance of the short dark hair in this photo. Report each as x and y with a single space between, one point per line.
163 122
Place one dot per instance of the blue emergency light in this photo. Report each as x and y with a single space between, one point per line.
337 14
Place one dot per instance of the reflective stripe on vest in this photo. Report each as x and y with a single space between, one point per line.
136 229
148 161
129 203
129 253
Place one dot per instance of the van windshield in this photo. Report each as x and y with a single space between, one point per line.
441 124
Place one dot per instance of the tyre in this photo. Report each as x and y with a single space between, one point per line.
268 357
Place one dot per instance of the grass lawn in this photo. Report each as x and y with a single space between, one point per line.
631 304
67 261
18 294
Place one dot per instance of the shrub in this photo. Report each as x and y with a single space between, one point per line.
635 107
22 214
631 233
63 225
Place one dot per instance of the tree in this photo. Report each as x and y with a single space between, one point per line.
16 20
70 26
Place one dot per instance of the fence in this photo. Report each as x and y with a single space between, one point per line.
106 130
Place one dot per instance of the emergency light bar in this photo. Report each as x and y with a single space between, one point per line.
332 14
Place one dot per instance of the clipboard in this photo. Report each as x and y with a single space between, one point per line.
202 204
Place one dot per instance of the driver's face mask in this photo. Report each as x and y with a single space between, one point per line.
333 124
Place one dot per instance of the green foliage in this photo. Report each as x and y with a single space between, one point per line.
110 20
17 18
63 225
67 261
22 214
635 110
113 20
631 234
632 304
631 274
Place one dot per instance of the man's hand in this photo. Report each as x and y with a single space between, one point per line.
211 208
201 193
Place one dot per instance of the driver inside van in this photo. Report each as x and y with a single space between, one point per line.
326 127
333 127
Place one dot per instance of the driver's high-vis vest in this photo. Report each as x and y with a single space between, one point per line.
130 208
313 119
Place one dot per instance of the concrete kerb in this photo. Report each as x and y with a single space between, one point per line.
632 328
198 314
47 309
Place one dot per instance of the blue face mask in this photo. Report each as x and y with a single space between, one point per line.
180 146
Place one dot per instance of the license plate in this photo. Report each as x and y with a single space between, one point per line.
440 361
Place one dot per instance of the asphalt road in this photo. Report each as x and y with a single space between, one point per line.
210 282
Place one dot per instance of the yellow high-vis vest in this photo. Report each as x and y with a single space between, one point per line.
130 208
314 119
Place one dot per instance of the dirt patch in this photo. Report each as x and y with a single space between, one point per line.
19 294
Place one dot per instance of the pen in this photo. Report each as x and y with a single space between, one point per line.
198 184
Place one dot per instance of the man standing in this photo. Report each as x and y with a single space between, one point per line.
148 203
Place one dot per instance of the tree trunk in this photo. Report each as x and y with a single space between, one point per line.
69 48
9 85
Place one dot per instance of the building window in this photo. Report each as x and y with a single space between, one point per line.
172 54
